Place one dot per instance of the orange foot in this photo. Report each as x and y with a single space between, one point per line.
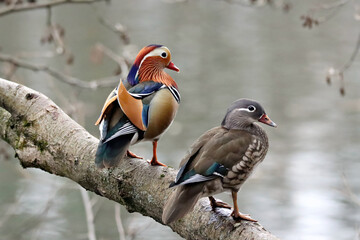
239 216
155 162
218 204
133 155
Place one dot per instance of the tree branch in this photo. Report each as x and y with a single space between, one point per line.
93 84
89 214
329 10
44 137
31 6
119 224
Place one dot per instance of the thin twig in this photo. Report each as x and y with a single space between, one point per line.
349 193
352 57
118 28
54 31
97 207
276 4
35 221
93 84
118 221
40 54
55 34
332 9
339 73
30 6
327 6
133 231
121 61
244 4
89 214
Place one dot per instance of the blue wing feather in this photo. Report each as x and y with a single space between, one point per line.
145 115
144 89
187 176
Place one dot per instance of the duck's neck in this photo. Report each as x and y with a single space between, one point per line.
250 127
257 130
152 72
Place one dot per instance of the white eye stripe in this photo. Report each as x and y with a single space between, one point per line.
246 109
155 52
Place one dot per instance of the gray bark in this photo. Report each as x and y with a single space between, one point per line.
44 137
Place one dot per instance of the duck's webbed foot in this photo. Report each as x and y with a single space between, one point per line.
132 155
218 204
237 216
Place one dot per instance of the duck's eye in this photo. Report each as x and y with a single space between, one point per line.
163 54
251 108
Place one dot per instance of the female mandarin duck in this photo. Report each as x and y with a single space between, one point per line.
220 160
142 107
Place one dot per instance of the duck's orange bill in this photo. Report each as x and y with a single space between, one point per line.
131 107
265 119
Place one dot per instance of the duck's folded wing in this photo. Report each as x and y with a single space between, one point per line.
131 106
198 144
187 173
110 99
131 103
212 155
145 89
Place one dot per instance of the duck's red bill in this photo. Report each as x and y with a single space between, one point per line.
173 67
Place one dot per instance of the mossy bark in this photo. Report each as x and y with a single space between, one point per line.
44 137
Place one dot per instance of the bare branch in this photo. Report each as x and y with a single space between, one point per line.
118 29
339 73
93 84
121 31
328 9
349 193
123 66
44 137
31 6
276 4
351 60
118 221
55 34
134 230
34 222
89 214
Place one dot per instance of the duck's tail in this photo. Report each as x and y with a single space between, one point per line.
109 153
181 201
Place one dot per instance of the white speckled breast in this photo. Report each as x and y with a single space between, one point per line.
236 176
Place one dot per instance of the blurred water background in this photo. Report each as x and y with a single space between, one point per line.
309 183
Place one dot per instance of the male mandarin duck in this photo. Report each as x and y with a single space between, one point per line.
220 160
142 107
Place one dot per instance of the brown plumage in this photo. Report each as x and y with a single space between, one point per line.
220 160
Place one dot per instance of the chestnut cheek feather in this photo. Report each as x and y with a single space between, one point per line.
152 69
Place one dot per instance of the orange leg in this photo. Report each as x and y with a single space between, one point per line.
154 160
133 155
236 214
218 204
